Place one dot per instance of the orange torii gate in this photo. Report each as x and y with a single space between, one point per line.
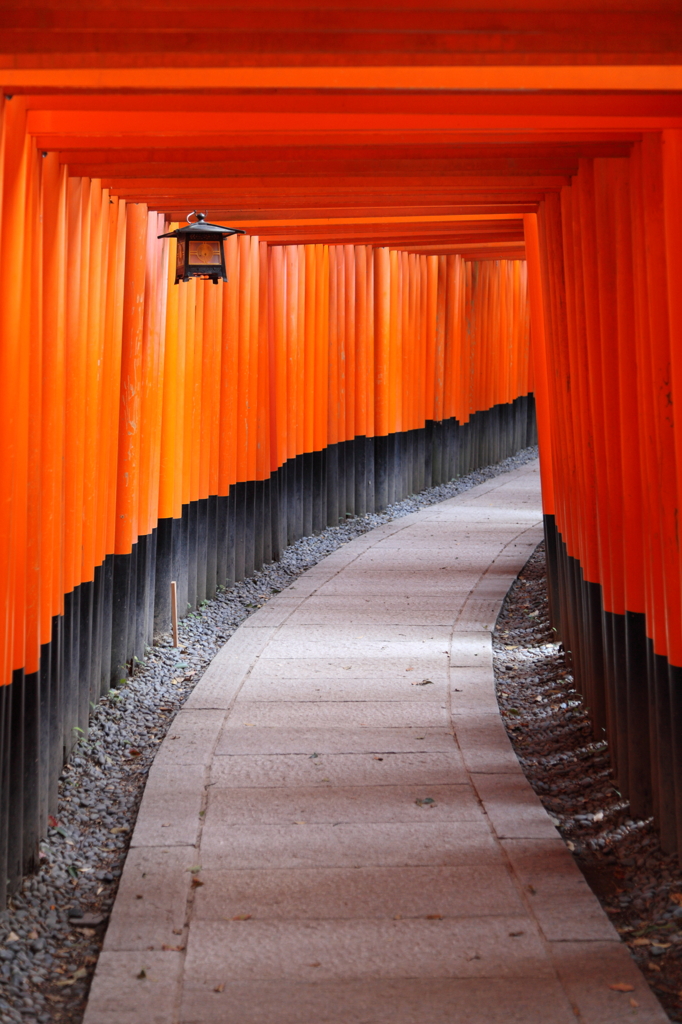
393 167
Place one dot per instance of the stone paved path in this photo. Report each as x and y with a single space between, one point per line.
336 829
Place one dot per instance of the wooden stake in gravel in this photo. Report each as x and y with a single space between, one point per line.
174 612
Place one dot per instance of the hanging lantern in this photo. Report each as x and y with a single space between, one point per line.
200 249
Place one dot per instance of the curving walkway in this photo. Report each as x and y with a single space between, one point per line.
315 846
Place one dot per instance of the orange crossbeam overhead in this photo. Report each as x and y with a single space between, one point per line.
481 110
199 123
267 159
646 76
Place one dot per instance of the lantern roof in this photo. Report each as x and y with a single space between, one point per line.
201 227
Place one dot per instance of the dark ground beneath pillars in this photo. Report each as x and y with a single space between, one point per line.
638 885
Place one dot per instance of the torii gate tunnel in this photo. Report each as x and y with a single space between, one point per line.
458 222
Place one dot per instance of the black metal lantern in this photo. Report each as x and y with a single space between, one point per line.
200 249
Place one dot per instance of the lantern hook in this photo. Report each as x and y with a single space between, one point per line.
201 217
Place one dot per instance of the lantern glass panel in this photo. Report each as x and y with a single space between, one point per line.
180 257
204 253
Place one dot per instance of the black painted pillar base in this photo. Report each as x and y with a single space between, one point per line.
164 575
211 546
258 524
335 500
192 542
307 494
360 488
202 549
380 473
249 528
239 530
119 621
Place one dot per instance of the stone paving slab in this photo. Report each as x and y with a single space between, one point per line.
153 899
170 808
364 893
135 986
332 741
326 838
341 714
366 949
419 583
390 1001
405 768
345 844
413 609
347 686
342 804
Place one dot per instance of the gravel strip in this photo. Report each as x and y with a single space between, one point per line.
52 932
639 886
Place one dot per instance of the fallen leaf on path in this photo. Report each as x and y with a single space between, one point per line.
242 917
634 1003
676 897
80 973
641 942
142 974
196 883
172 949
219 988
622 986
